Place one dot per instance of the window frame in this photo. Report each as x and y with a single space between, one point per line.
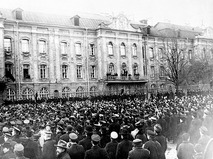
78 51
43 71
123 49
44 48
64 71
64 47
134 50
25 48
110 48
79 68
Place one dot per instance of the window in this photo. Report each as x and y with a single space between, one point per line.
64 71
79 71
143 53
78 49
135 69
124 71
151 52
92 49
152 71
10 94
93 71
25 45
160 53
42 46
63 48
110 48
44 93
7 45
93 91
111 68
162 71
43 71
66 92
123 49
134 50
80 91
190 54
26 71
27 93
9 67
145 70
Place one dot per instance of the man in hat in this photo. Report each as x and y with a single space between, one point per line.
160 138
125 145
62 150
65 136
75 151
8 151
104 137
86 142
59 131
19 151
16 133
111 146
96 152
138 152
49 150
4 130
153 146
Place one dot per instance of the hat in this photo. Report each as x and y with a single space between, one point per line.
18 147
8 134
137 141
69 128
151 133
73 136
12 123
62 144
114 135
140 123
26 121
60 127
89 129
97 125
19 122
96 138
124 132
5 129
157 128
17 128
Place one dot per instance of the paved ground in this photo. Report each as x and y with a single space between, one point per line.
171 152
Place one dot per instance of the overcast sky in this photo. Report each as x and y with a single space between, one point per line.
183 12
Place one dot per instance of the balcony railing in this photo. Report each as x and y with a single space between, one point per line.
122 77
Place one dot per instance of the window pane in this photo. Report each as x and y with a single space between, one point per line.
78 49
7 45
42 47
43 71
26 74
92 49
134 50
63 48
110 49
151 52
79 71
64 71
25 45
123 49
92 71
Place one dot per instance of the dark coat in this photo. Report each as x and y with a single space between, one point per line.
63 155
185 151
86 143
9 155
31 149
139 153
155 149
111 148
49 150
76 151
162 140
96 153
123 149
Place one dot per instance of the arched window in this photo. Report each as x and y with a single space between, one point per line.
64 68
27 93
44 93
123 49
63 46
135 69
66 92
124 71
93 91
111 68
10 94
78 49
151 52
80 92
134 49
110 48
25 45
42 46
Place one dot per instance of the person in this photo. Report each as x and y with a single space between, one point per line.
138 152
61 150
125 145
204 137
153 146
19 151
86 142
111 146
160 138
185 149
96 152
75 150
16 134
8 151
65 136
49 149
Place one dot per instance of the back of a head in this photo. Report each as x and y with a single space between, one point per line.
185 137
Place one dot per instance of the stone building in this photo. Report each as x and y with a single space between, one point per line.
83 55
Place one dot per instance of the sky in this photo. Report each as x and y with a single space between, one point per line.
196 13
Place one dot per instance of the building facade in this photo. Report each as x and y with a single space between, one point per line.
59 56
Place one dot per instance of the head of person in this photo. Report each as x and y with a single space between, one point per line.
7 136
16 131
186 137
150 134
47 135
61 147
113 135
73 137
157 129
6 147
95 139
137 143
19 150
89 130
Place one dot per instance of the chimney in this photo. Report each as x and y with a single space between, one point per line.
18 13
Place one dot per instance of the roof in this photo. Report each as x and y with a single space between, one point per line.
86 21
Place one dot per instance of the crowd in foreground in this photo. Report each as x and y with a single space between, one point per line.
118 127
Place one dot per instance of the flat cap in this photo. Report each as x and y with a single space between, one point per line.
137 141
114 135
96 138
73 136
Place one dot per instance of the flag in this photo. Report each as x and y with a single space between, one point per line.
9 75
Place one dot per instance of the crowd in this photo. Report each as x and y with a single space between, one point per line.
117 127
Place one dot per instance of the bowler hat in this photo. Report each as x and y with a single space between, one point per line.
73 136
96 138
62 144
